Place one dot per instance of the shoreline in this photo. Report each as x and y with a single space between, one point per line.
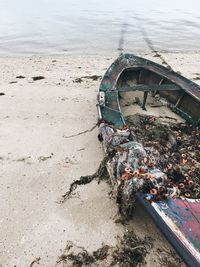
95 53
39 163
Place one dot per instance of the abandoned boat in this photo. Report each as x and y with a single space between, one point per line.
163 171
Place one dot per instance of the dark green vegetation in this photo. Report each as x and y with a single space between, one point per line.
129 252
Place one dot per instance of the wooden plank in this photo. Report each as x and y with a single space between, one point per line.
151 87
112 116
180 226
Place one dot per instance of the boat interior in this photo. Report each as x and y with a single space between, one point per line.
139 82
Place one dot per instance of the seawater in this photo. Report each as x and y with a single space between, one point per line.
92 26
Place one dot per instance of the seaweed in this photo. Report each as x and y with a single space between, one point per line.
101 174
130 251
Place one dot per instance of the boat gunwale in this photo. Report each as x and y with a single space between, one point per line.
151 66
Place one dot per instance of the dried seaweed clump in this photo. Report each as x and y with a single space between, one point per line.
129 252
101 174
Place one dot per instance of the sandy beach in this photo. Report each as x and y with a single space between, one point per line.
46 102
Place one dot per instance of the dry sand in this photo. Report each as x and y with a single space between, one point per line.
38 162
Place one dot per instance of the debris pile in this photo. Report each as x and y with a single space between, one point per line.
129 252
153 157
178 148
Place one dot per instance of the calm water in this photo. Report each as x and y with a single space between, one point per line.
92 26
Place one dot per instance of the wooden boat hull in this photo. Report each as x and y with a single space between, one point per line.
178 219
185 100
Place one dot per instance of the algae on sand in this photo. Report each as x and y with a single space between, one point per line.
130 251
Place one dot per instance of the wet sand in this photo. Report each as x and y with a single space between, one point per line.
39 160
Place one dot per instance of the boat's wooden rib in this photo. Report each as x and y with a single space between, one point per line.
149 88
